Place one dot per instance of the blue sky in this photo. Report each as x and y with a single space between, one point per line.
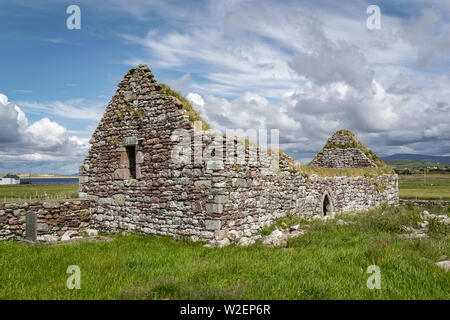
307 68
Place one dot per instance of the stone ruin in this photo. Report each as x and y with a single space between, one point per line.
132 182
342 150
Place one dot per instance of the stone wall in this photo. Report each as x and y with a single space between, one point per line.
258 202
181 181
342 158
53 217
207 200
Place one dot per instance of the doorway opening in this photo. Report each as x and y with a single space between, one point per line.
326 205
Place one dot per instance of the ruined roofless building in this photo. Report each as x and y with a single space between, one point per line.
133 182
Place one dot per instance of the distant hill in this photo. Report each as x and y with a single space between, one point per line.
417 157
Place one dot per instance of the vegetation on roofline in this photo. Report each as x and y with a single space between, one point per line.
187 106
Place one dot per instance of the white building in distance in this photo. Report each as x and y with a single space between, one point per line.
10 179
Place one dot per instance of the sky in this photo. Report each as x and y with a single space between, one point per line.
306 68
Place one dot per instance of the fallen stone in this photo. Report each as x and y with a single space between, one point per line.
296 233
444 264
223 243
413 235
276 238
425 214
47 238
233 235
92 232
68 235
244 241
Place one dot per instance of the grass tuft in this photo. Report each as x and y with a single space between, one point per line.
187 106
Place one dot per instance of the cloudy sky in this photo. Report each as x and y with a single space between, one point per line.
307 68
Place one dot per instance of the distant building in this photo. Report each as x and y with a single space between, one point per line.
10 179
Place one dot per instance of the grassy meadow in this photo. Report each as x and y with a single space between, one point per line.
329 262
413 186
30 192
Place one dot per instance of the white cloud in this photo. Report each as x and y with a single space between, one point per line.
196 99
47 133
12 121
310 72
70 109
386 122
43 146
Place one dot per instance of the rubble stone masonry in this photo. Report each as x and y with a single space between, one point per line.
149 170
53 217
207 199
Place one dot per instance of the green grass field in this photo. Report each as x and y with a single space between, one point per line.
329 262
25 192
415 164
412 186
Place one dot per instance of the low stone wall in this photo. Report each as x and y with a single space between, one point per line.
443 203
254 204
53 217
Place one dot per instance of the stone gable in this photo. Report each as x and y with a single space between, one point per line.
342 151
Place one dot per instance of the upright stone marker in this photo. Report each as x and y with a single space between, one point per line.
30 228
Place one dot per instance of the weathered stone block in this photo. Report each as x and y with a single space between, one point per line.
121 174
105 201
118 199
214 165
221 198
203 184
128 96
42 227
139 157
130 141
212 224
51 205
215 208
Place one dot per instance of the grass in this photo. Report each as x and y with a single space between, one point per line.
415 164
25 192
329 262
187 106
437 186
